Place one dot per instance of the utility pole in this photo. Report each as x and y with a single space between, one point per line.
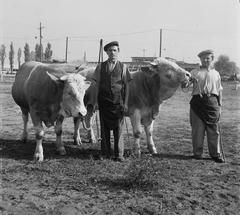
160 48
40 41
100 57
144 52
66 49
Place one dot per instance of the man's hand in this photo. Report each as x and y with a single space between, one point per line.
125 109
95 106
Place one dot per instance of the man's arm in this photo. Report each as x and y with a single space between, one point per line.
220 98
126 96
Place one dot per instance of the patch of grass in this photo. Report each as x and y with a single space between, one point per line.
141 174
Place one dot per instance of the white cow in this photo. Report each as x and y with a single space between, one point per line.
49 94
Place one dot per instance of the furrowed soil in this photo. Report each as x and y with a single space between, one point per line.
171 182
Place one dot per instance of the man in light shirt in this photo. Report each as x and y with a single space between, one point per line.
205 107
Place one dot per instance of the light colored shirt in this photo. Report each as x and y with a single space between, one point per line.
208 81
111 65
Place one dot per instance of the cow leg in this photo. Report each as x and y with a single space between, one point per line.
39 133
76 137
89 122
137 131
150 144
39 136
58 130
25 122
91 135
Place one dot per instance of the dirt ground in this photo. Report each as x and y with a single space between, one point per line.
171 182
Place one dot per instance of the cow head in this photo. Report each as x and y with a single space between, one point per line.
169 72
74 90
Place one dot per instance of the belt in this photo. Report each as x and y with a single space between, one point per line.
206 95
209 95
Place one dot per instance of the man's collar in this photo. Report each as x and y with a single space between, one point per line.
206 68
112 62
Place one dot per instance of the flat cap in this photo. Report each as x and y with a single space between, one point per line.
208 51
113 43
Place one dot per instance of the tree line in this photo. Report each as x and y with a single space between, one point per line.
28 56
226 67
223 65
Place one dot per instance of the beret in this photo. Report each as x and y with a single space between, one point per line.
208 51
113 43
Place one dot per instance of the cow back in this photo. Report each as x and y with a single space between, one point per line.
33 87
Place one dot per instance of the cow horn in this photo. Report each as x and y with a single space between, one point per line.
153 64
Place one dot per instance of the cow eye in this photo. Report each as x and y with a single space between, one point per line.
168 73
168 76
70 92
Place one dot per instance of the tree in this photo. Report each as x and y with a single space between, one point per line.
19 55
26 53
11 57
38 52
2 55
225 67
32 56
48 52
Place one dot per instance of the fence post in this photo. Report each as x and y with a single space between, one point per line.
236 85
1 74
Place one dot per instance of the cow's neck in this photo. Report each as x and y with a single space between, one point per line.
151 88
167 92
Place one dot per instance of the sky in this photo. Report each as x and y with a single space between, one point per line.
188 27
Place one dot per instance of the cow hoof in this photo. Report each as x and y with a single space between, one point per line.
152 151
61 152
38 157
77 143
93 141
23 140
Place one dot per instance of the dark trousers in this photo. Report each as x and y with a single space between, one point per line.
118 139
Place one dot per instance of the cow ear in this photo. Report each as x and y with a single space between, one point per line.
54 78
148 71
87 84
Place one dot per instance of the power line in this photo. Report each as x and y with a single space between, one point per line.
206 34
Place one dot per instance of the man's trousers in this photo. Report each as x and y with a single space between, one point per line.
199 128
118 139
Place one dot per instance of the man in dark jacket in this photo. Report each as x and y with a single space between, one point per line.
112 91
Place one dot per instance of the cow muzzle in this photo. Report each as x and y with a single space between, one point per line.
81 112
64 113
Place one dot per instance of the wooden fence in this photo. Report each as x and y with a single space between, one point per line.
7 77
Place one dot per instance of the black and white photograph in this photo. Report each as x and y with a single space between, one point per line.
119 107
